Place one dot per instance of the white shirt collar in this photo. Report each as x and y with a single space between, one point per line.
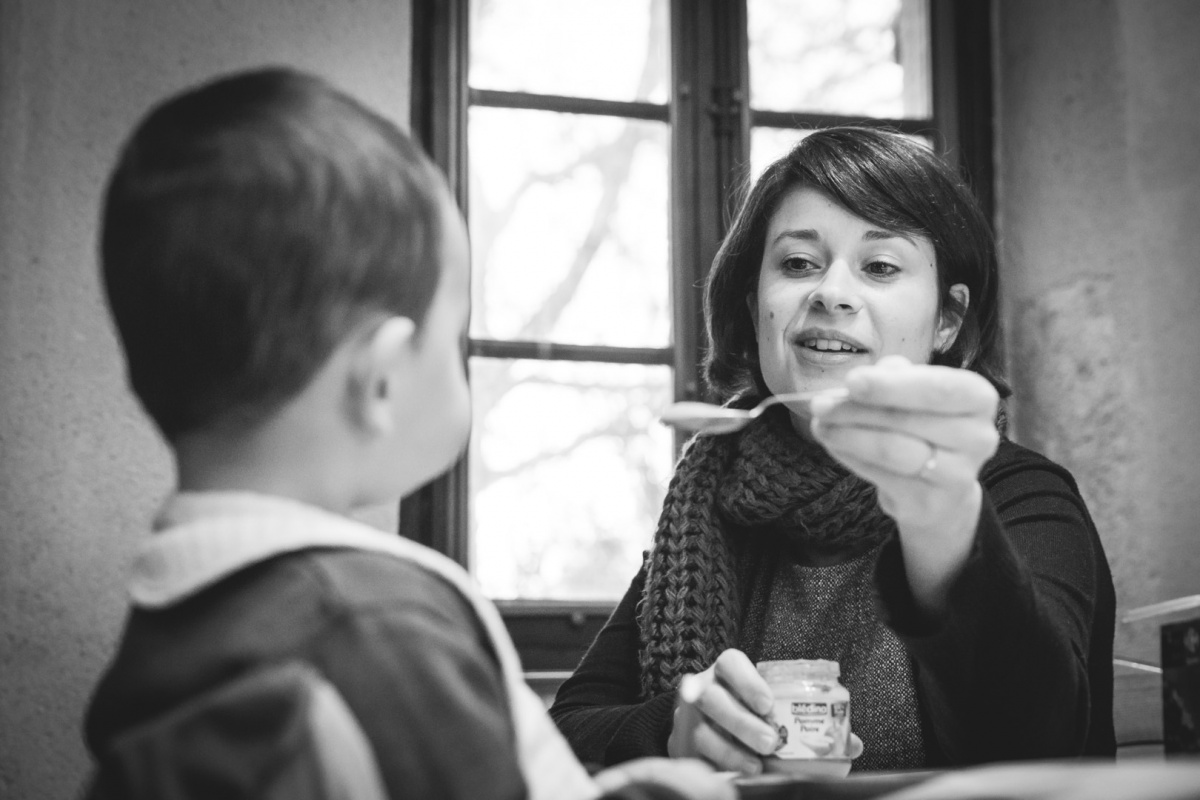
202 537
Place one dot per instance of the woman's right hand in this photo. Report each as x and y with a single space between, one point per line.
719 716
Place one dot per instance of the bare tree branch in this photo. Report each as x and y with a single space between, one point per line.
617 426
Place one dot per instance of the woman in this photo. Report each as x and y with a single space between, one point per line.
955 576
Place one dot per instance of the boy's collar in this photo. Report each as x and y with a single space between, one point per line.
183 508
203 537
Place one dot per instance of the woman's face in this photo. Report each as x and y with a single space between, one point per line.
835 291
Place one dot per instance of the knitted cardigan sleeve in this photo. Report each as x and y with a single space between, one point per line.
1020 665
598 708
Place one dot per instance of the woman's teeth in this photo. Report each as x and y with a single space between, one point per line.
829 344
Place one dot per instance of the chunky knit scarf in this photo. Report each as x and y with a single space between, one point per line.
765 481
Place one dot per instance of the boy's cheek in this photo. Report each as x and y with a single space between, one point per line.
462 414
455 410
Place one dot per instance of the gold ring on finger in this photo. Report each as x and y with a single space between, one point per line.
925 473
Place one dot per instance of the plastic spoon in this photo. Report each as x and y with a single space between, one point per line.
709 418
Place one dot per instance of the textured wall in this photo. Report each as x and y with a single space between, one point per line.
1098 121
81 470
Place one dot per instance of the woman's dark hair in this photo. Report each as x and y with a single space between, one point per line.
892 182
253 224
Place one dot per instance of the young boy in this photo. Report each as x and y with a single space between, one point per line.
289 279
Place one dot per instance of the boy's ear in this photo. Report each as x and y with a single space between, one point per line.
378 375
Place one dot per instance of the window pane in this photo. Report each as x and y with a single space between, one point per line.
568 469
568 217
612 50
768 144
868 57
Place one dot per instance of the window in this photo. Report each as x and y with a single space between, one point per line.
570 335
598 148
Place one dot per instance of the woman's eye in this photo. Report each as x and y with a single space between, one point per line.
882 269
797 264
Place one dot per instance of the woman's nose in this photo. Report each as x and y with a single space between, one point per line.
836 292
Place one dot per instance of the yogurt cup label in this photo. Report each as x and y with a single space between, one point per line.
812 729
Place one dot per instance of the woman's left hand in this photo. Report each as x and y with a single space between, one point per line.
920 434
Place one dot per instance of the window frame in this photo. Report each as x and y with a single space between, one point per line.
710 121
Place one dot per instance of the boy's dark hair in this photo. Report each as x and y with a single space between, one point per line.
890 181
251 226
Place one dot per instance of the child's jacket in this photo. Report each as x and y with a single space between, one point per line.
234 582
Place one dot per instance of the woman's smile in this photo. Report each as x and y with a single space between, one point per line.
826 347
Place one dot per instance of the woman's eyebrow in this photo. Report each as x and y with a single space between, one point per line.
811 235
876 235
803 234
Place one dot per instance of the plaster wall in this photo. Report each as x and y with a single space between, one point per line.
81 469
1098 198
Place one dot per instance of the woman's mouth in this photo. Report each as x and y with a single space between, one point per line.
829 346
826 348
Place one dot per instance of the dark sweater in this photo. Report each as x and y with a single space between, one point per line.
403 648
1019 666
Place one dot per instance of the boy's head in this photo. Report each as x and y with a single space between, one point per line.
256 225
